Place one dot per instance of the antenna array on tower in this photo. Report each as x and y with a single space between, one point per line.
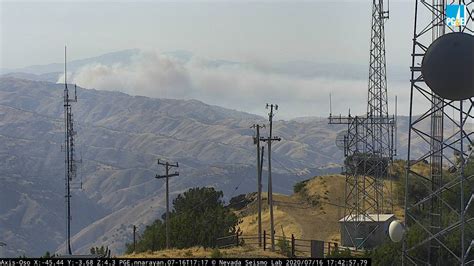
368 145
69 149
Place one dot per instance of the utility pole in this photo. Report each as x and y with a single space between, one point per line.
168 166
262 152
256 141
1 247
270 191
134 238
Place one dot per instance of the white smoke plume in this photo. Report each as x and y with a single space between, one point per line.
237 86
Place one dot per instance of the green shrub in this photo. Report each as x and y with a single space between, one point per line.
198 218
299 186
216 253
340 253
388 253
284 245
47 255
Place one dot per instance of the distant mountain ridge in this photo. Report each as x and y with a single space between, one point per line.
123 56
299 68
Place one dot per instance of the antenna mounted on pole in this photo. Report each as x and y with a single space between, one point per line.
69 149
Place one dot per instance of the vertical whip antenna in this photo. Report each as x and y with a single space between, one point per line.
330 104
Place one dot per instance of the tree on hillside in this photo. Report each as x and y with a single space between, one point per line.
152 238
197 219
100 251
47 255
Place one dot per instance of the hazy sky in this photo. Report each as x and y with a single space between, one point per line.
35 32
262 32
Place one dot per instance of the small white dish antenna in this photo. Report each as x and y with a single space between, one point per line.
396 231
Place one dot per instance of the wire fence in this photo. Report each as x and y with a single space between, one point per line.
287 246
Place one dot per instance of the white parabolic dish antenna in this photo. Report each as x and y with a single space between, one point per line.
396 231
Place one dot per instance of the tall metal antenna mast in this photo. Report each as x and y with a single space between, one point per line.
70 163
377 106
438 211
368 143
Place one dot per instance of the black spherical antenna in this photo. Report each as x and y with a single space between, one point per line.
448 67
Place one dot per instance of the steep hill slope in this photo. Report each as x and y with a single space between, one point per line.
311 213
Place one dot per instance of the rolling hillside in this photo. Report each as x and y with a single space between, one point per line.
119 139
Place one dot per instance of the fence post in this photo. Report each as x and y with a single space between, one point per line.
329 248
292 246
317 249
264 239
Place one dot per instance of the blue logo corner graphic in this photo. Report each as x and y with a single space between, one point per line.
455 15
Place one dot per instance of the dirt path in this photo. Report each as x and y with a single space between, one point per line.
320 220
317 221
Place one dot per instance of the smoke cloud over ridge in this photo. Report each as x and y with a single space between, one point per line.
240 86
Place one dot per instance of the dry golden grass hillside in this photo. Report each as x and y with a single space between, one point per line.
311 213
200 252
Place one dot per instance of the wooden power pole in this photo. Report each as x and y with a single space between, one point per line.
168 166
269 141
256 141
134 239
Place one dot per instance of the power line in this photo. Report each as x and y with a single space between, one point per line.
286 168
